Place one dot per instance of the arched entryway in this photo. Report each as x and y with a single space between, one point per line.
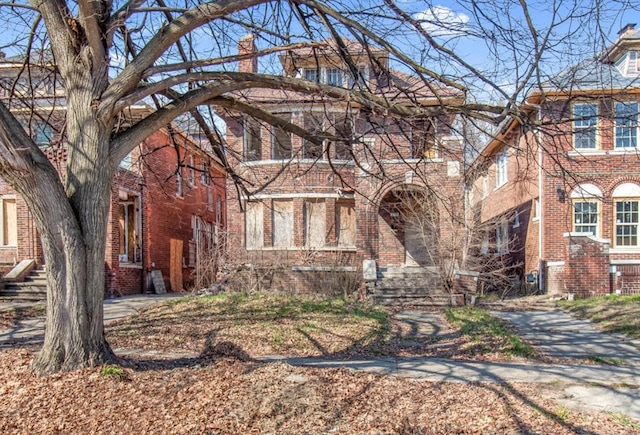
408 222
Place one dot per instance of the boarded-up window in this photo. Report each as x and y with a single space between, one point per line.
313 125
281 141
9 222
252 140
315 216
283 223
346 223
254 222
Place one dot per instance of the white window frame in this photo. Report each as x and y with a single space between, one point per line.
502 168
634 226
581 227
583 123
502 237
192 170
4 198
179 186
626 126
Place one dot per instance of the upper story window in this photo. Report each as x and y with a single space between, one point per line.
312 74
192 171
179 188
281 141
585 121
342 127
626 118
335 77
423 143
252 140
501 168
313 123
205 174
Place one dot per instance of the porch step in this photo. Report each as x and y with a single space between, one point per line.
33 288
414 286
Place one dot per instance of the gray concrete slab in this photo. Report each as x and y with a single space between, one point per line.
422 324
32 330
559 335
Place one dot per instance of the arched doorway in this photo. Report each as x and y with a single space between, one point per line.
409 228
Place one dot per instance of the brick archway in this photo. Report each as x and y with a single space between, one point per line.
408 226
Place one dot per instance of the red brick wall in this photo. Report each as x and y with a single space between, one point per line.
586 268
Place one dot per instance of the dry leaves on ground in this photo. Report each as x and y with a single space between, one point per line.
226 396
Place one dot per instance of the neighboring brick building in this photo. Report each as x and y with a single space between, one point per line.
167 203
564 197
343 200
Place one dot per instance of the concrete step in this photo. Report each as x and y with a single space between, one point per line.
408 291
24 293
418 300
407 272
408 283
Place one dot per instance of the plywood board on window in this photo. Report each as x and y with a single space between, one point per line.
175 270
315 223
254 225
283 223
10 220
346 223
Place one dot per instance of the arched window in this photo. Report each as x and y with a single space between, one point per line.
626 199
585 199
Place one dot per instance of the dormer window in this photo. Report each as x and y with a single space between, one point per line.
335 77
312 75
627 64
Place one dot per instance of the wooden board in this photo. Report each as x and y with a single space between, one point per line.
175 269
158 282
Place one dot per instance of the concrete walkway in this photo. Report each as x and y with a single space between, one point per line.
559 335
32 330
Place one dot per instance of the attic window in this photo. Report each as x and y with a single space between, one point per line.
627 64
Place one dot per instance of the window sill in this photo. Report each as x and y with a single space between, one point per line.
535 219
501 185
303 248
130 266
586 152
8 246
624 250
623 151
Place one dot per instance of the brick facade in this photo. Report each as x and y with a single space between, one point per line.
355 194
148 185
577 241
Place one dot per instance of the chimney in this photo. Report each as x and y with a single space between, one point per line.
628 28
247 45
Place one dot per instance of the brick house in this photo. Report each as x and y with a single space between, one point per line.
563 198
344 200
167 203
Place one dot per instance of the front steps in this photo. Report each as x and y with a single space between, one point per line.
33 288
410 286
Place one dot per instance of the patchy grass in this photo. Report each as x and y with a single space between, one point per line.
610 361
489 333
613 314
257 324
11 316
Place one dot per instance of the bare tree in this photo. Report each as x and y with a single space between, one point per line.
108 57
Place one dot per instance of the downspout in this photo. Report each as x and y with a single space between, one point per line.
541 271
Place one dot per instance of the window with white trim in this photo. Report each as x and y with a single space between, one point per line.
585 199
585 122
179 187
192 170
627 215
502 237
281 143
627 223
313 123
626 119
501 168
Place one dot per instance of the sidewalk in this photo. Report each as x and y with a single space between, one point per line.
32 330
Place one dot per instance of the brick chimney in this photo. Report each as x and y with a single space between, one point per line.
628 28
247 45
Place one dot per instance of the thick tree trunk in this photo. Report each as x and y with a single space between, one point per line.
74 248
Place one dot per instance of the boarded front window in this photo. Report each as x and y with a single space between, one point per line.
254 224
346 223
252 140
283 223
315 212
9 222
